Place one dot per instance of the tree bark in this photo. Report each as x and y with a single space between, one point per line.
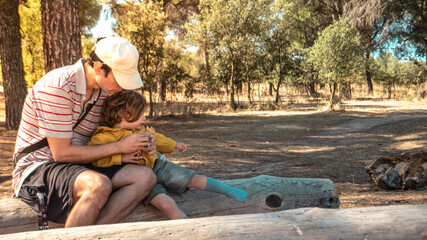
61 33
233 103
14 85
345 91
331 100
277 100
384 222
312 90
265 194
368 73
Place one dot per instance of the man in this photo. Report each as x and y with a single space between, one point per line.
75 194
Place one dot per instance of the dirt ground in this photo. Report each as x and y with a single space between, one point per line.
301 142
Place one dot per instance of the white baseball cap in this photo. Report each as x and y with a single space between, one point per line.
122 57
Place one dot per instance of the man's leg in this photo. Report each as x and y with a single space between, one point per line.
90 193
133 183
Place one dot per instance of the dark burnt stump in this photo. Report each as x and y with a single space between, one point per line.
403 171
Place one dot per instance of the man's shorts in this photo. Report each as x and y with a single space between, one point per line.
56 180
170 178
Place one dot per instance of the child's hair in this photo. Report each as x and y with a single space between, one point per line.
127 104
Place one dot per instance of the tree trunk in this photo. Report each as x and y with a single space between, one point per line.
265 194
232 90
248 80
161 90
383 222
61 33
150 96
389 91
345 91
331 100
206 62
312 90
14 85
368 73
278 90
249 91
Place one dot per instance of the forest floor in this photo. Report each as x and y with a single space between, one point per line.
300 142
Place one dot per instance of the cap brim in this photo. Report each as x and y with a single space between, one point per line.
128 80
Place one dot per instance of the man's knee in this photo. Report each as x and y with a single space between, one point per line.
101 186
93 185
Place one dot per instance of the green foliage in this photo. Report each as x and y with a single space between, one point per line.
32 35
387 72
410 24
414 72
230 31
89 11
87 46
242 42
174 70
337 54
143 23
32 49
390 72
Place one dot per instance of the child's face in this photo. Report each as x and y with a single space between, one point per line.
138 124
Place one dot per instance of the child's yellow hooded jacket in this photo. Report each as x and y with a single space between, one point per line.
104 135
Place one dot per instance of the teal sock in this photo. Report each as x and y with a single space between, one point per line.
216 186
186 217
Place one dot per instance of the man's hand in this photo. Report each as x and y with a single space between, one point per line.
137 142
131 158
181 147
63 151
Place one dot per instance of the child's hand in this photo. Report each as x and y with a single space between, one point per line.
131 158
181 147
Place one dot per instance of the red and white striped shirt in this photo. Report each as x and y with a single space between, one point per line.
52 108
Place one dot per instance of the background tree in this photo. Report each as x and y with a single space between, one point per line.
367 17
32 35
174 72
89 11
277 43
15 88
231 26
409 26
387 72
143 23
177 13
336 55
305 20
61 33
414 73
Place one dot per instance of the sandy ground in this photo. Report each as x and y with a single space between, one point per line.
301 142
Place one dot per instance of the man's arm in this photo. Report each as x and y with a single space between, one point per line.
63 151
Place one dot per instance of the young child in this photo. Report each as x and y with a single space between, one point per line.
123 115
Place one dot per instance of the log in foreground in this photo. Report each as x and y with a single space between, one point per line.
265 194
386 222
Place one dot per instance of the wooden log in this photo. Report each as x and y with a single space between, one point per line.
265 194
385 222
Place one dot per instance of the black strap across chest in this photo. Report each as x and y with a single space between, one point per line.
43 143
